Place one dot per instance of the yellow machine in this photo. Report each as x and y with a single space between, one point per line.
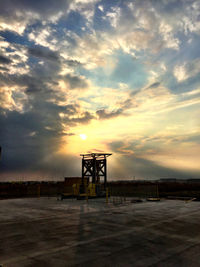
76 188
94 177
80 192
89 190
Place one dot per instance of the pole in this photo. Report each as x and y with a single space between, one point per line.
107 195
38 191
87 194
105 173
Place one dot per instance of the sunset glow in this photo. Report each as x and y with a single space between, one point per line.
83 136
100 76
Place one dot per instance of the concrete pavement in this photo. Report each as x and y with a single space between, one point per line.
46 232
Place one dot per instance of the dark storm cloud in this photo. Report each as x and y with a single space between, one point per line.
4 60
103 114
75 81
38 80
73 63
25 140
45 8
69 134
26 80
41 78
83 118
195 138
154 85
118 147
3 68
30 139
43 53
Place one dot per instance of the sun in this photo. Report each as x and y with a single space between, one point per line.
83 136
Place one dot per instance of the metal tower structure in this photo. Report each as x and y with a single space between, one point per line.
94 166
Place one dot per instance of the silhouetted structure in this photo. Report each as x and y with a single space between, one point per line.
94 165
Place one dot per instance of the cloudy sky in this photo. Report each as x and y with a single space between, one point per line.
91 76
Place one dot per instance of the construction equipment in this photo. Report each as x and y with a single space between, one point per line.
94 168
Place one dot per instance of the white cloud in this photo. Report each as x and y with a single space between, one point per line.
3 43
187 70
13 98
113 16
166 31
86 8
44 37
17 54
189 21
17 16
17 27
100 7
180 73
18 22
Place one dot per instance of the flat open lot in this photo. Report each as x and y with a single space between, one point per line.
46 232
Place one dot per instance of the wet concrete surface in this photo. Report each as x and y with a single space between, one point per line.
46 232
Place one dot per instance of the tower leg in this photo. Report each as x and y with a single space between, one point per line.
105 174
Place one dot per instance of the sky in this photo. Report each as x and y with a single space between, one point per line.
84 76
